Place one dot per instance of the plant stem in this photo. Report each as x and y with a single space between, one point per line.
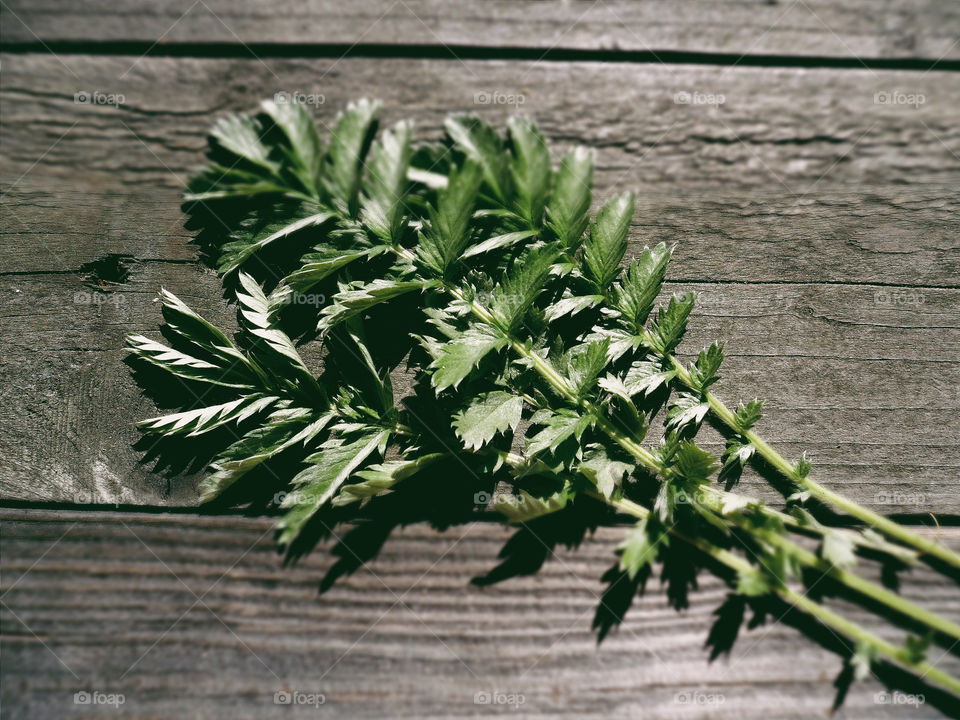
651 462
826 616
777 461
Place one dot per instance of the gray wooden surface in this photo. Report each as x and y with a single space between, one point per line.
814 209
853 29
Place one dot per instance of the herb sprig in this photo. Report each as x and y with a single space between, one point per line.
544 358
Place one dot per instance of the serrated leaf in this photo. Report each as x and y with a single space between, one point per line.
316 267
693 463
568 209
529 169
747 415
205 419
456 359
703 372
604 471
240 135
448 233
511 300
481 144
606 243
639 549
686 411
640 285
305 149
381 477
582 365
317 484
384 206
526 507
488 414
358 297
644 377
803 467
352 135
186 366
667 330
236 253
571 306
284 430
838 549
557 428
497 242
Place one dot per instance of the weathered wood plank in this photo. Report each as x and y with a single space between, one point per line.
192 614
853 28
799 286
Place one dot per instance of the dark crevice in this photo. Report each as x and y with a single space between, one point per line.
464 52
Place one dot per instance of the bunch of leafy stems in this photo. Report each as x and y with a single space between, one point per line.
473 150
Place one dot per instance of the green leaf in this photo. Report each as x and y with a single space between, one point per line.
379 478
862 660
747 415
527 507
525 280
639 549
582 365
488 414
606 244
803 467
284 430
497 242
244 246
205 419
318 483
568 210
186 366
604 471
317 266
305 149
571 306
358 297
448 232
686 411
529 169
557 428
693 463
481 144
343 167
241 135
456 359
640 285
916 647
703 372
838 549
644 377
753 583
668 329
384 209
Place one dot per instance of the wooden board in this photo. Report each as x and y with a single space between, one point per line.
853 29
838 297
192 616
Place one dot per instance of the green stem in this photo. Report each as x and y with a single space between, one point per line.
829 618
650 461
778 462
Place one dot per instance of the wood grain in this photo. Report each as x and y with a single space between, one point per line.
193 616
839 298
850 29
